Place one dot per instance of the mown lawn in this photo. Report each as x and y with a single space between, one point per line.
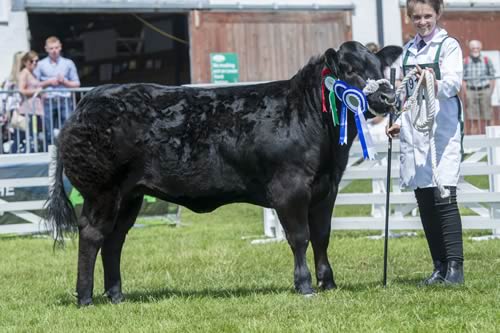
202 277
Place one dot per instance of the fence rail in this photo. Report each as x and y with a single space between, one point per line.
485 203
27 209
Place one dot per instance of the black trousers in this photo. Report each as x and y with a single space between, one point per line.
442 223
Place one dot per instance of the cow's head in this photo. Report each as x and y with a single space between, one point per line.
355 64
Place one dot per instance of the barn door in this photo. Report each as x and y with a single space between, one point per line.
270 46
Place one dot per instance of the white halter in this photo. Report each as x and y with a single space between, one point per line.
371 87
374 85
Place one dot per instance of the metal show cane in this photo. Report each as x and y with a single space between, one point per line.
388 186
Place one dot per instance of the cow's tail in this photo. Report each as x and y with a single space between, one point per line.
61 216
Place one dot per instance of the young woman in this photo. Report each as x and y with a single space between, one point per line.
29 85
31 103
433 49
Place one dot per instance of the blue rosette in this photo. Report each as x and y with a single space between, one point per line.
356 101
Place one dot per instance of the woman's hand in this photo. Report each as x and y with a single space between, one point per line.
420 70
392 131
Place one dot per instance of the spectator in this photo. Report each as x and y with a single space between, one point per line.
479 83
58 74
30 88
9 103
11 82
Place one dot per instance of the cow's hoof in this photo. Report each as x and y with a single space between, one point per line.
84 302
305 291
326 285
115 297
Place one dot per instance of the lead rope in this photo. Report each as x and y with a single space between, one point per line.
423 118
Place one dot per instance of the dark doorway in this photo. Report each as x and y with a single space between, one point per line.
119 48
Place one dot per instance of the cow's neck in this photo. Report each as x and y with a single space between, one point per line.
307 83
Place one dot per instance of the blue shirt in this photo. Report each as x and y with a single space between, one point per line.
46 69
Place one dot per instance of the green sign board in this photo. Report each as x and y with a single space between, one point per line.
224 67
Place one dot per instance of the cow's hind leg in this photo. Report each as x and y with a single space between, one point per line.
320 224
293 217
97 221
112 247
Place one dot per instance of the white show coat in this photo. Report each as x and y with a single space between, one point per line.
415 157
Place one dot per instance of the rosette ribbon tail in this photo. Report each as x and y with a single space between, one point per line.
343 125
369 151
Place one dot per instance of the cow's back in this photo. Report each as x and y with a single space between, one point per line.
183 144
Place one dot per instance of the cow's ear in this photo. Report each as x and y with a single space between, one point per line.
389 54
331 61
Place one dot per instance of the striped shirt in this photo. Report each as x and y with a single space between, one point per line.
478 72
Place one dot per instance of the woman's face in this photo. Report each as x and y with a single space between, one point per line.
31 64
424 18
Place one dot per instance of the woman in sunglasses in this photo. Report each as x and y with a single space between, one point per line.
31 106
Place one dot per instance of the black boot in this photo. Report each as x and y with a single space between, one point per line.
438 275
455 273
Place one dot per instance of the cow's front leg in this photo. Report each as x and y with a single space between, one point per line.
293 217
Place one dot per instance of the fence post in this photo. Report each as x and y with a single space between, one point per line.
494 159
52 179
272 228
378 186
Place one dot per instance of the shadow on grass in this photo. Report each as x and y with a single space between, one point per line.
358 286
153 296
413 282
166 293
146 296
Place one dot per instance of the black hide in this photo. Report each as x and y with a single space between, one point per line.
266 144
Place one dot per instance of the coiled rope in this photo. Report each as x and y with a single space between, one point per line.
423 117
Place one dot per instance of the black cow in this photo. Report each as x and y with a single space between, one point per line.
267 144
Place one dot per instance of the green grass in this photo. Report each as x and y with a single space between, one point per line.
202 277
481 181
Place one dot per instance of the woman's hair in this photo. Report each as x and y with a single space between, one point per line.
437 5
28 56
16 67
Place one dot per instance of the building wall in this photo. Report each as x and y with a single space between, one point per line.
14 36
270 46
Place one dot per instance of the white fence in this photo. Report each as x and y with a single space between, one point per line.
23 209
482 158
34 223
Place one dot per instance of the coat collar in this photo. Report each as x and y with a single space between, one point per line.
438 37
